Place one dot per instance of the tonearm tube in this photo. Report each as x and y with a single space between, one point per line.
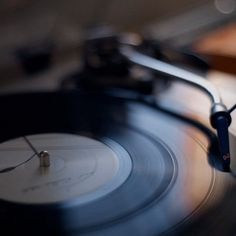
220 117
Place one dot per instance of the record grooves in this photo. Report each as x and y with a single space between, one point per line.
116 166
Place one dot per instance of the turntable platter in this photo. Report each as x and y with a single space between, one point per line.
117 167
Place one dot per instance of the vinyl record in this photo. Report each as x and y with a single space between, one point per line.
116 167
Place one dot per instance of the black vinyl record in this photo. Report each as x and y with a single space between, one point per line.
117 167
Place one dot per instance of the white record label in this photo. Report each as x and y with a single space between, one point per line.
81 169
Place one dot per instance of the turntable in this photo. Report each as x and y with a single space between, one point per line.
107 159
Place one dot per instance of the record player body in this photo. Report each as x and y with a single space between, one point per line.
117 167
110 157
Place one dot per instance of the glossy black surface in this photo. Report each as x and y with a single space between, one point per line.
172 188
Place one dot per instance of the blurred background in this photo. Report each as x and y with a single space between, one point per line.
56 27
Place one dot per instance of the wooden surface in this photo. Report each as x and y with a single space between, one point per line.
220 47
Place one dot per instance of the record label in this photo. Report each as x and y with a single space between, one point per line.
80 167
